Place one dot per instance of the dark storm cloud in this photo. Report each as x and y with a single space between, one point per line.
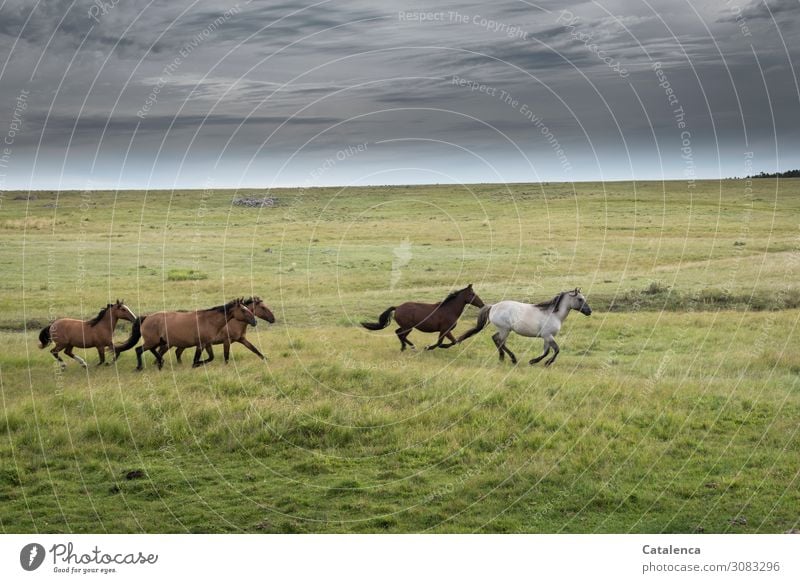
355 71
158 123
770 8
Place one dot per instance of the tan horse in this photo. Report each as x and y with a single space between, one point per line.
69 333
235 330
164 330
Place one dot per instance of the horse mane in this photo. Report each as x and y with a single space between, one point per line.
553 303
223 308
99 317
452 296
251 300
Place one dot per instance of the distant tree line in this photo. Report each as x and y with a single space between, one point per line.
787 174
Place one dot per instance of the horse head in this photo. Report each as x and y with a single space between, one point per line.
239 311
120 311
260 309
578 302
472 297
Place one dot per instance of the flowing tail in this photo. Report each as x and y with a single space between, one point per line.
136 333
44 336
483 319
383 320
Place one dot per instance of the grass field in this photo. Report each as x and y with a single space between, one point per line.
674 408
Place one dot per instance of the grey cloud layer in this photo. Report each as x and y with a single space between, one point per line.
193 75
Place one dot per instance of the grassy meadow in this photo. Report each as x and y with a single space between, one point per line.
675 407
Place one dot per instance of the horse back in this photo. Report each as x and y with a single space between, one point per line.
524 319
177 329
73 332
424 317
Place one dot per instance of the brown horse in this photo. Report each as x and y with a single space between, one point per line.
68 333
441 317
235 330
164 330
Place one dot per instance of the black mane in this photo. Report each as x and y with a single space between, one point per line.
453 296
223 308
99 317
553 303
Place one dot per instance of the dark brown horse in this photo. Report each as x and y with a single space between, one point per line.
164 330
68 333
441 317
235 331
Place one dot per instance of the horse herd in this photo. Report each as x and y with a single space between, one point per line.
228 323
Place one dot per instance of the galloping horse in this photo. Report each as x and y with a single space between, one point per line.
532 320
68 333
234 331
164 330
441 317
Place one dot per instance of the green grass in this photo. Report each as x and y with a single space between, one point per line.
185 275
674 408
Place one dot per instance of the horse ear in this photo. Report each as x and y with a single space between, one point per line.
470 286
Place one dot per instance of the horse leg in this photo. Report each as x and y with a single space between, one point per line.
452 340
101 352
159 354
500 341
496 339
252 348
402 334
196 360
438 343
139 350
226 350
159 357
555 352
68 352
56 349
178 352
545 353
197 353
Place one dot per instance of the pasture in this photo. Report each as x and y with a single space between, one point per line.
675 407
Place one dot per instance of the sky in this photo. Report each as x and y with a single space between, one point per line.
119 94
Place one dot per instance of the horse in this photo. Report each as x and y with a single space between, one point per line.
234 331
164 330
440 317
542 320
69 333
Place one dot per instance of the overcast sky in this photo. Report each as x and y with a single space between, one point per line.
137 94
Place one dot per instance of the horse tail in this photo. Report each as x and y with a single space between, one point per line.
383 320
483 319
44 336
136 333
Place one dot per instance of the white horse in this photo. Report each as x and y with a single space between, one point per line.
532 320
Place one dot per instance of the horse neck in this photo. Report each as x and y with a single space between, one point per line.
457 305
109 322
563 310
218 319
